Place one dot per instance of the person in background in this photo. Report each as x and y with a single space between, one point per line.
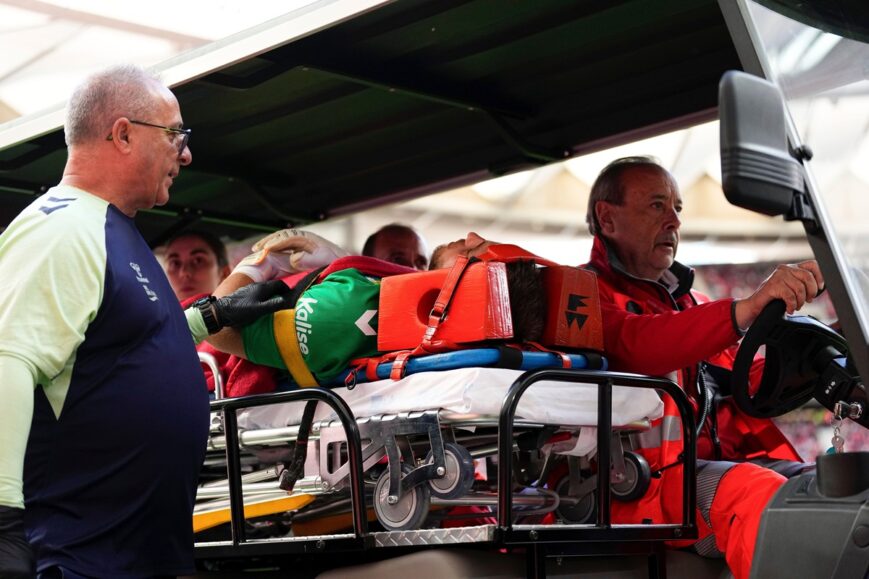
103 408
654 323
399 244
196 263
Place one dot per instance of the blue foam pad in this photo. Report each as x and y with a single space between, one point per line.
485 357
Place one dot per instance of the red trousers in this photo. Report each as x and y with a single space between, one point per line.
742 495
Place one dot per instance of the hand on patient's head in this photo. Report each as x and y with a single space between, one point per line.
251 302
286 252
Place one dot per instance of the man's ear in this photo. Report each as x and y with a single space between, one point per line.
604 213
120 136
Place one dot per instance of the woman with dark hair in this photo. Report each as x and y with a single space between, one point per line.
195 263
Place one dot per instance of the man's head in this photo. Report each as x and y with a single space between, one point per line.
125 137
195 263
398 244
445 255
524 284
635 205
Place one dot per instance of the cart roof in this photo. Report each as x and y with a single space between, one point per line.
347 105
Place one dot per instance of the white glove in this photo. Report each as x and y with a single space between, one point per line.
286 252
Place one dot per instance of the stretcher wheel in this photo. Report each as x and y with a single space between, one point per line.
410 510
638 475
582 511
459 476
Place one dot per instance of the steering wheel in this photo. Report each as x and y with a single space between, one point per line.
797 350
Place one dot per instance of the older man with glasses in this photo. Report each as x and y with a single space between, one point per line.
103 404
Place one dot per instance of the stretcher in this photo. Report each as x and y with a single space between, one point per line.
428 443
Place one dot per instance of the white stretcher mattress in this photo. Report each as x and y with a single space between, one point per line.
471 391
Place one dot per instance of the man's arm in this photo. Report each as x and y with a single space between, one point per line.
275 256
658 344
229 339
17 382
219 319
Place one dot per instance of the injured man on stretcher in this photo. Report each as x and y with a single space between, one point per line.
334 309
332 319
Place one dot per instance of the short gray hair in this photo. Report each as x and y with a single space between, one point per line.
608 185
104 97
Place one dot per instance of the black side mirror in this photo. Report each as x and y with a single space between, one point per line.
758 170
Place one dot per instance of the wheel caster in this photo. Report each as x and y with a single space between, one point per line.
638 475
582 511
459 476
409 511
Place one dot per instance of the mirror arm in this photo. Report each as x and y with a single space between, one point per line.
802 210
801 206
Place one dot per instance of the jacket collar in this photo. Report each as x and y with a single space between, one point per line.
677 280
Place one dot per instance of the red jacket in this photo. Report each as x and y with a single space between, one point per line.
650 330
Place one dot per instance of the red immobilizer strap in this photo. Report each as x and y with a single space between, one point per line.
437 315
442 302
565 359
399 366
369 366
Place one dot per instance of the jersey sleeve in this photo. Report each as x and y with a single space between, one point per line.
17 380
261 344
52 276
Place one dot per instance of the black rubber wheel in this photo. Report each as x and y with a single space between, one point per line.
582 511
638 475
410 510
459 476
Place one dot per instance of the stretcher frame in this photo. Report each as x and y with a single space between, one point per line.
601 537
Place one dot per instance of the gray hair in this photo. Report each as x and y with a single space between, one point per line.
104 97
608 185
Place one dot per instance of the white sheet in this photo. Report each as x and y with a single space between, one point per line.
471 391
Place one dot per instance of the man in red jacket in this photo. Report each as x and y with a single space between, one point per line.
654 323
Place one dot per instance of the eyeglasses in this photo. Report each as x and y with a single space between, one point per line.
184 133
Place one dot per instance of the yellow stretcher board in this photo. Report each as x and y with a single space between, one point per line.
207 519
